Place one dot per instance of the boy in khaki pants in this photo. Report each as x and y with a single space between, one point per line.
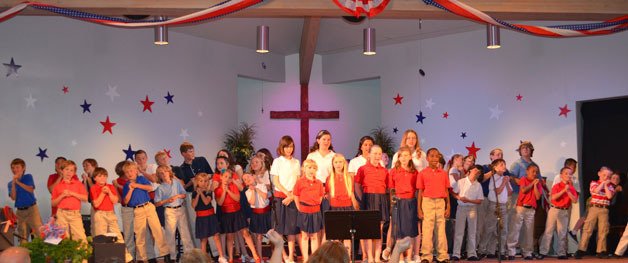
21 190
67 196
104 196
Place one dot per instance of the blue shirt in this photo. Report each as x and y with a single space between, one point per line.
518 170
165 191
199 165
23 198
139 196
485 184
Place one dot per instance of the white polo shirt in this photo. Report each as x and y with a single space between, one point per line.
323 163
503 197
471 190
287 171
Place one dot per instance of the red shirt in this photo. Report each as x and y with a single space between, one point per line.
310 193
527 199
229 205
433 182
70 202
51 180
106 204
374 179
340 197
563 201
121 182
599 198
404 182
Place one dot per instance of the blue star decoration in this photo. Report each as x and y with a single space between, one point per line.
463 135
86 106
395 130
129 153
42 154
12 67
169 98
420 117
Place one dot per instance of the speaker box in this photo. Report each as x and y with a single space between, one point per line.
109 253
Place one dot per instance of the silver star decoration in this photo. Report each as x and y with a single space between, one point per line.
199 113
112 92
429 103
74 143
184 134
30 101
563 144
495 112
12 68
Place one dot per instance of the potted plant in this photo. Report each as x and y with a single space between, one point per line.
240 143
384 140
67 250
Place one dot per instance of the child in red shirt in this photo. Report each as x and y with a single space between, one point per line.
231 218
67 196
339 189
308 195
526 206
373 178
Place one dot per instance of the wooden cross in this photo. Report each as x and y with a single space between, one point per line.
306 59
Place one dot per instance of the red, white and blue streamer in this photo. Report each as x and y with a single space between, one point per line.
577 30
215 11
358 7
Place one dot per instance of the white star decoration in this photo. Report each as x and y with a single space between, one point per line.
563 144
184 134
30 101
429 103
112 92
74 143
495 112
199 113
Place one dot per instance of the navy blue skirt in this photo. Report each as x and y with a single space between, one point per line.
232 222
285 217
310 222
325 206
407 220
260 223
378 202
207 226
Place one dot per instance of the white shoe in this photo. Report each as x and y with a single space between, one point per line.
386 254
222 260
417 259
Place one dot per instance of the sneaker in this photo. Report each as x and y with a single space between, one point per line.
615 256
540 256
222 260
491 256
454 258
563 257
417 259
602 255
481 255
473 258
509 257
579 254
528 258
386 253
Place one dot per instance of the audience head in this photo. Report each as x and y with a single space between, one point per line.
330 252
15 255
195 255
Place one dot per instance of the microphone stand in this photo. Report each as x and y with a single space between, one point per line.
498 214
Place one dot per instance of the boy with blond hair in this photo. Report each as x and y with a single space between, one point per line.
67 196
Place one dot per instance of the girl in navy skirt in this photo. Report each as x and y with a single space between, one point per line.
308 194
284 172
322 152
232 220
206 221
403 180
257 198
373 178
339 188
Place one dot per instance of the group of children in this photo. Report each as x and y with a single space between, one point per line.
234 207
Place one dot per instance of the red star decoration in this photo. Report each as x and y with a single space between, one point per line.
564 110
398 99
147 104
65 90
473 150
445 115
167 153
519 97
107 125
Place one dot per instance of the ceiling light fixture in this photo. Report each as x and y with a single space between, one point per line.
262 39
492 37
369 42
161 33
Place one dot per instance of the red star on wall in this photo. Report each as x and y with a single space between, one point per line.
564 110
398 99
107 125
65 90
445 115
167 153
147 104
519 97
473 150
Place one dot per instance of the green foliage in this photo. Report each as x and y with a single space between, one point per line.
384 140
67 249
240 143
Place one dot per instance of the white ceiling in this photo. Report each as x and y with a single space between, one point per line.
336 34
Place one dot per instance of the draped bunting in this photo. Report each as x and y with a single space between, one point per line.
358 7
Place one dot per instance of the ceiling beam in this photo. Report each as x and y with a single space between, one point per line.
584 10
309 37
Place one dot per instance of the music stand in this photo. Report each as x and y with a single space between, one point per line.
352 225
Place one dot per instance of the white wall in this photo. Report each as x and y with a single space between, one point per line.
358 103
54 52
